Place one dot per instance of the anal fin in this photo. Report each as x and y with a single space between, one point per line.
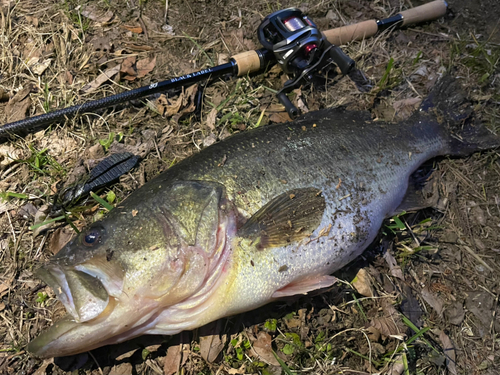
303 286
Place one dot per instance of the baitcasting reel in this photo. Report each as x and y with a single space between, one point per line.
300 49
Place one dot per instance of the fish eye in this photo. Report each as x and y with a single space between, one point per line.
92 237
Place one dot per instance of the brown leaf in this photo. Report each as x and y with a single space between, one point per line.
3 288
173 359
211 118
68 77
393 265
455 313
37 65
127 68
263 350
397 367
373 333
405 107
449 352
103 77
42 370
60 238
363 284
18 106
238 371
211 345
280 117
433 300
135 29
40 217
96 14
388 325
121 369
145 66
8 155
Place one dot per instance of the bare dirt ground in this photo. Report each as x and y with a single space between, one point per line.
423 299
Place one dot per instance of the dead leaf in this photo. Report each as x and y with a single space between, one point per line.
386 326
40 217
238 371
481 305
397 367
60 238
121 369
135 29
168 108
389 324
405 107
280 117
102 43
455 313
3 288
42 370
37 66
68 77
222 58
173 359
18 106
2 306
433 300
373 333
262 349
32 20
363 284
96 14
211 343
145 66
449 352
8 154
127 68
103 77
212 118
393 265
6 206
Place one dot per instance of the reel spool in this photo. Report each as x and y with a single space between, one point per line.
300 49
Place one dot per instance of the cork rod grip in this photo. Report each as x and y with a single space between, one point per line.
247 62
426 12
357 31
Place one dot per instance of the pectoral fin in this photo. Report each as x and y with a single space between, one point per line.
288 218
304 286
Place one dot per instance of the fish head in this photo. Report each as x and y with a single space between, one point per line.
117 275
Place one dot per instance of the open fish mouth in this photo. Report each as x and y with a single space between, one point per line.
82 294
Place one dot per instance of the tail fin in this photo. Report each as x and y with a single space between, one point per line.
449 103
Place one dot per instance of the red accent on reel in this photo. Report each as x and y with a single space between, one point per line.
309 47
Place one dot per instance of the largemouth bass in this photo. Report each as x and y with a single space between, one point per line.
264 214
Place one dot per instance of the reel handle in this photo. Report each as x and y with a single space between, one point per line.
344 62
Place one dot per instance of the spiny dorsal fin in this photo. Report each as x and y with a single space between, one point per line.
290 217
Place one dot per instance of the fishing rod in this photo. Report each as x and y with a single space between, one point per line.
289 38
